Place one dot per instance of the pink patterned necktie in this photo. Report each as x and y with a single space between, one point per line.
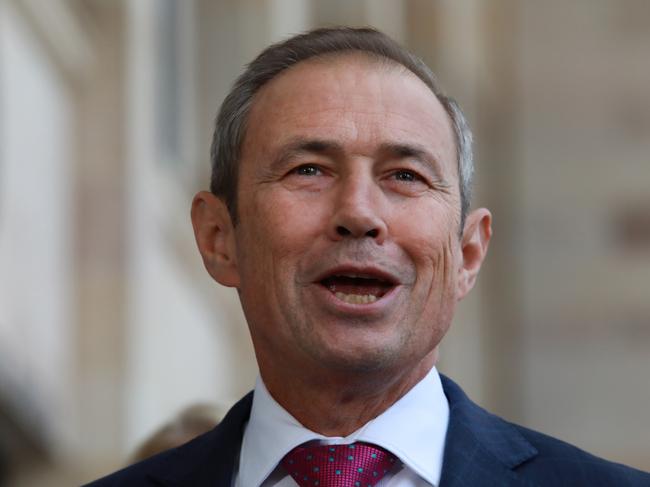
354 465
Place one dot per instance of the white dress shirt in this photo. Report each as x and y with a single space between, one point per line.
413 429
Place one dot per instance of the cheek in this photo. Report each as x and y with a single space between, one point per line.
287 218
276 231
426 234
433 247
269 218
442 292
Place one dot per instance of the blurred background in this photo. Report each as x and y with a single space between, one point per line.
109 326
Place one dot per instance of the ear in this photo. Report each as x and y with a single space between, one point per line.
474 243
214 233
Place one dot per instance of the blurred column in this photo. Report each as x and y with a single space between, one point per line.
389 16
101 222
47 55
340 12
499 174
36 224
288 17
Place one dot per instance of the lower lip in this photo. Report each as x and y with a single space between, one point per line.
364 309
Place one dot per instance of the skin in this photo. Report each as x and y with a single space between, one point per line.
347 164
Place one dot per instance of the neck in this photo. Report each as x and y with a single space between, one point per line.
339 403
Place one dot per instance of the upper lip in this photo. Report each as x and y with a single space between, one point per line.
367 272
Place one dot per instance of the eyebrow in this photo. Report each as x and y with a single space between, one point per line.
300 146
413 151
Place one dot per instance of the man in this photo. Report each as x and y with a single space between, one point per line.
339 209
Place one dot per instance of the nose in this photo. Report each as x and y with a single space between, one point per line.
358 211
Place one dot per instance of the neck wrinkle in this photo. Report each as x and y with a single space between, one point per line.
336 405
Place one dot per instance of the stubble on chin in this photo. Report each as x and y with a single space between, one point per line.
366 356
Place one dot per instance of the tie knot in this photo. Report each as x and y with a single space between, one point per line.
354 465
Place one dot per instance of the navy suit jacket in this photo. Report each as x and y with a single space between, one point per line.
480 450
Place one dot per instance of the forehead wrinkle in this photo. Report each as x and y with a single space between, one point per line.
354 130
352 122
347 110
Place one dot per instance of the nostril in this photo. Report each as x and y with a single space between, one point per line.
342 231
372 233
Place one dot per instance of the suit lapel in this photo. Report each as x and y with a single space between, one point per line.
210 459
480 448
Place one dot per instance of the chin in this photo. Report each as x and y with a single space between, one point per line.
361 360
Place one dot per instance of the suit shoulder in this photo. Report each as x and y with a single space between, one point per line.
491 443
172 466
561 463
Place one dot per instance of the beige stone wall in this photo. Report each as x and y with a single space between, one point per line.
556 334
584 119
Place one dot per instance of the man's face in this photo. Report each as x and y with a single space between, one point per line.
347 245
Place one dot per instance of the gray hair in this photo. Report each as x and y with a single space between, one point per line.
231 122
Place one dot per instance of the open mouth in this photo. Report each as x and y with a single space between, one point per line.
357 289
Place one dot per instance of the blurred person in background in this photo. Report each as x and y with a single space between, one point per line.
340 211
185 426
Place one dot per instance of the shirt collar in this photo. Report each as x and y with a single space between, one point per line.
413 429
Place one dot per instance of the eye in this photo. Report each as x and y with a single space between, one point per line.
406 181
406 176
307 170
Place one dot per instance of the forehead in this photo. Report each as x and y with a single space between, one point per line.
358 101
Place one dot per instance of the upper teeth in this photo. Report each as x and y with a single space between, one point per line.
354 275
356 298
